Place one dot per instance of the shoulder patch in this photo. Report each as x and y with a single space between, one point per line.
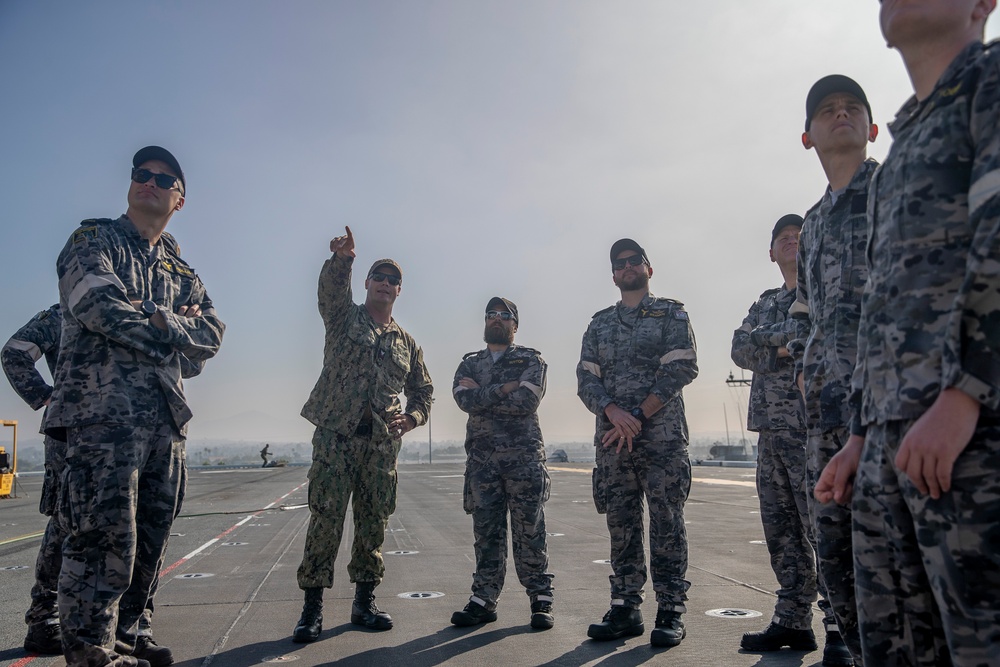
83 233
681 315
174 267
606 310
44 315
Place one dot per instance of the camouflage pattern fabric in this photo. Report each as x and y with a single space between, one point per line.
628 354
360 470
40 337
363 371
107 343
775 411
118 499
929 322
832 531
831 277
36 339
505 470
928 571
775 401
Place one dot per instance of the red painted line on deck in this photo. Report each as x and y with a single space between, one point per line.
24 661
172 566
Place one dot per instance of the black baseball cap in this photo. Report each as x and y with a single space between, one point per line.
627 244
506 303
163 155
828 85
790 220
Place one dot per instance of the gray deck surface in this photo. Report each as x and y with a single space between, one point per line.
242 607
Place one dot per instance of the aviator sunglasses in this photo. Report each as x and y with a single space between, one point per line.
631 260
502 314
378 277
163 181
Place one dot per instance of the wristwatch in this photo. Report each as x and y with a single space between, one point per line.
147 308
638 414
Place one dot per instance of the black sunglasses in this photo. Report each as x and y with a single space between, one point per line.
163 181
631 260
378 277
502 314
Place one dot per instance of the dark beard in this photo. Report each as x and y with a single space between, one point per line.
498 335
638 282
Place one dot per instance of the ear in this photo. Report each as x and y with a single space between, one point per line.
613 279
180 204
650 274
366 284
770 253
872 133
806 141
983 9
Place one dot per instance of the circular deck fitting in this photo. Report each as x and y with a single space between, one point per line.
733 613
194 575
400 553
602 562
758 542
280 658
235 544
420 595
15 567
555 534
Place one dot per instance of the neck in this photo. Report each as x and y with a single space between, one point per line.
382 314
790 275
841 167
633 298
149 227
926 62
497 347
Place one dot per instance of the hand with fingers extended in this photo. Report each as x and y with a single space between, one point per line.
930 448
343 245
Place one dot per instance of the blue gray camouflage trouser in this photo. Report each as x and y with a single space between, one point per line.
492 489
118 498
784 514
356 469
660 472
928 571
44 593
832 530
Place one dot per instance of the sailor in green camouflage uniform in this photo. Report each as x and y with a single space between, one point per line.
368 360
775 412
135 318
636 358
500 387
927 386
831 276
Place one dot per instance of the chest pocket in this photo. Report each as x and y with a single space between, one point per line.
647 340
176 283
396 363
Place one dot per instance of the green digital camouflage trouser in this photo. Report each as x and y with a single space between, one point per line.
356 469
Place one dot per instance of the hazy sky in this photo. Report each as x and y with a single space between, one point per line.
490 147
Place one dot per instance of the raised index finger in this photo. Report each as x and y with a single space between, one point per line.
350 236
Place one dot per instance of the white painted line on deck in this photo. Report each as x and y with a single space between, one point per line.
703 480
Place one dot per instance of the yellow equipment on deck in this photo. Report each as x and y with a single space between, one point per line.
8 462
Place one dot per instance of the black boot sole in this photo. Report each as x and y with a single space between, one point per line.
600 634
378 625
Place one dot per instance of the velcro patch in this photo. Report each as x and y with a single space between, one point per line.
82 234
681 315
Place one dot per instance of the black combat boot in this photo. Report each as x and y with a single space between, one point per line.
151 652
473 614
618 622
836 653
774 637
365 612
669 630
541 614
311 622
44 638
